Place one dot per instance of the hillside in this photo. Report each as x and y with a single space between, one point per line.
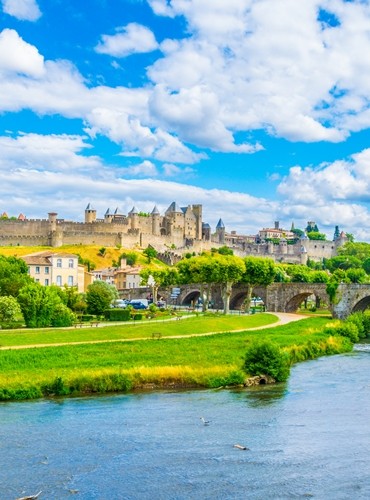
90 252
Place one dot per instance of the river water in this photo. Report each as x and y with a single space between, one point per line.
309 438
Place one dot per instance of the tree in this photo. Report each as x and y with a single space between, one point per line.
99 296
266 358
155 278
357 275
13 275
10 311
315 235
343 262
226 270
38 304
299 273
150 253
258 271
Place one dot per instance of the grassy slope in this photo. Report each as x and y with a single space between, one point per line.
90 252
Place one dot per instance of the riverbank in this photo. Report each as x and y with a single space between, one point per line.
207 360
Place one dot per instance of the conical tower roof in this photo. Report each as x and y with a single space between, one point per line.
220 225
174 208
155 210
133 211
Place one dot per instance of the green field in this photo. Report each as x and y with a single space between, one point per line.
205 361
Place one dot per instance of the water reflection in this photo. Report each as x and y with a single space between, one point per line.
263 395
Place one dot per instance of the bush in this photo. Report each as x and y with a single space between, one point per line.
358 320
345 329
266 358
86 317
62 316
117 314
137 316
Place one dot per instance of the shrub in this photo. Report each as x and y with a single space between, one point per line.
345 329
137 316
358 320
266 358
62 316
117 314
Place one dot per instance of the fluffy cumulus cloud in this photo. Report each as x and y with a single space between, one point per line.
332 193
25 10
131 39
18 57
59 153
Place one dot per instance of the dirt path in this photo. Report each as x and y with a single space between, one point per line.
283 319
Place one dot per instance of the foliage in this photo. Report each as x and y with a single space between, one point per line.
359 250
150 253
10 311
258 271
38 304
86 262
13 275
346 329
131 258
266 358
319 277
117 314
357 275
224 250
102 251
62 316
99 296
315 235
299 273
343 262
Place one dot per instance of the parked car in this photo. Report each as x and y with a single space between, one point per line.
121 303
136 304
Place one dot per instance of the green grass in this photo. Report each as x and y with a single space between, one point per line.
141 329
207 361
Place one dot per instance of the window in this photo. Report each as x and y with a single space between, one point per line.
46 270
70 280
47 282
37 280
71 263
59 262
59 280
37 269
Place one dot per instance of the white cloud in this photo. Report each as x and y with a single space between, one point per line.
131 39
18 56
46 153
25 10
143 169
171 170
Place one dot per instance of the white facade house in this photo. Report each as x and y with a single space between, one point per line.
58 269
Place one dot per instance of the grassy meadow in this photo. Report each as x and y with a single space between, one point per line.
89 252
193 361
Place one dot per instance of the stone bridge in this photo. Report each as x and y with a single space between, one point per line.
283 297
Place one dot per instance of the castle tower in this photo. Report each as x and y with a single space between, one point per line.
134 217
53 220
90 214
156 221
198 212
108 217
220 231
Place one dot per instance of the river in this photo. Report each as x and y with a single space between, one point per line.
309 438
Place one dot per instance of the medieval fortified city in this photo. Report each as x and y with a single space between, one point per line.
174 233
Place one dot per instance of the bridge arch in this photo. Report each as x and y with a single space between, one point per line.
190 297
362 304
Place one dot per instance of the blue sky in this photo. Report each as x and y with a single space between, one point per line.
258 109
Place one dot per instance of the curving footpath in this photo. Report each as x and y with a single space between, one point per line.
283 319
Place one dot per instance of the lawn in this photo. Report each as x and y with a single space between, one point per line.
192 325
205 361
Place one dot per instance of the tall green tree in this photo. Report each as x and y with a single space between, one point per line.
13 275
38 304
99 296
258 271
156 278
150 254
227 270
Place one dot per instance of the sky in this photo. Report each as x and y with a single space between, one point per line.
257 109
